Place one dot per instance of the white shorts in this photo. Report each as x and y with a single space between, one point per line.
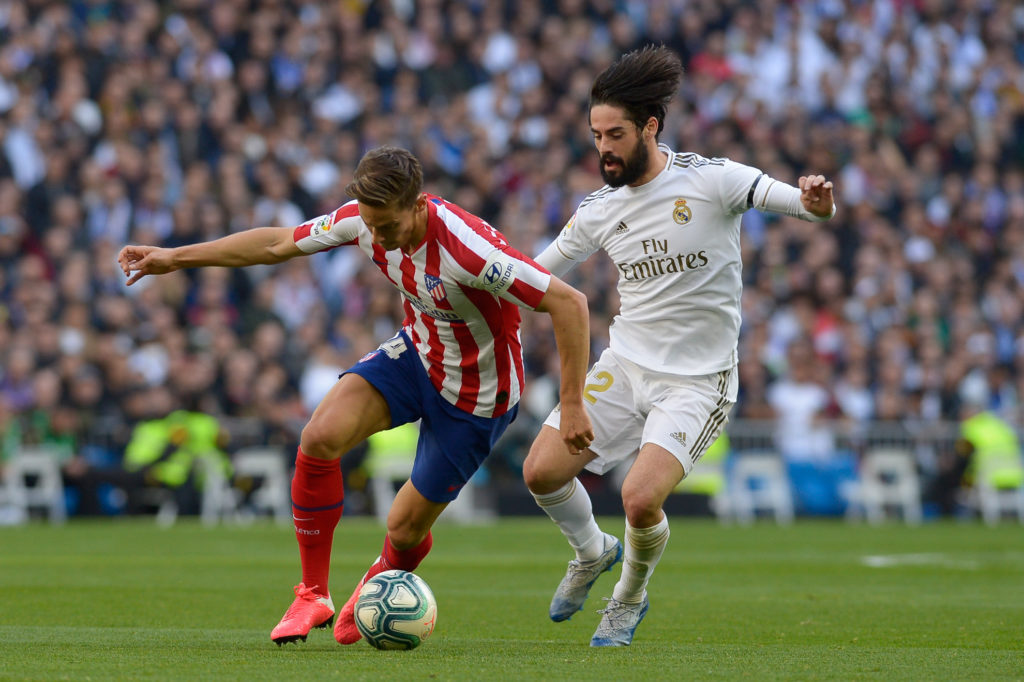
630 405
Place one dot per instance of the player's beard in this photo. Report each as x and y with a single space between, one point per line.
631 169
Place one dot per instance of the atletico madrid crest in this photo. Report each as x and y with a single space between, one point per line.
435 287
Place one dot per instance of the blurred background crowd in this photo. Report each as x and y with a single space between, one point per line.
172 122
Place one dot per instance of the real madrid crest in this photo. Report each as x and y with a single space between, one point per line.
681 213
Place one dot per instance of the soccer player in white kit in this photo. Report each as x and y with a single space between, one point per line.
663 389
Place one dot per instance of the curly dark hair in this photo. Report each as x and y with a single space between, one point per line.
641 82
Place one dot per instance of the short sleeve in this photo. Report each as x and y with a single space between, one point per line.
514 277
736 185
573 242
337 228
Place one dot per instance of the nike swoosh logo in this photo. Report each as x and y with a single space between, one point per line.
298 519
379 262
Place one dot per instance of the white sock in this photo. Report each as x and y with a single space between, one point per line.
644 547
570 508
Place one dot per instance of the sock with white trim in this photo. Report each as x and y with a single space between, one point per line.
571 510
644 547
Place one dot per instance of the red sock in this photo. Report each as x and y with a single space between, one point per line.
317 496
407 559
404 559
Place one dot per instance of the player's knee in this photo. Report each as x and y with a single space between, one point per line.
643 509
531 476
539 479
406 533
540 476
321 442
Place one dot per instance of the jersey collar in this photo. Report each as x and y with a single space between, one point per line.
657 179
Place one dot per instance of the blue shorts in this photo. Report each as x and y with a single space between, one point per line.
453 443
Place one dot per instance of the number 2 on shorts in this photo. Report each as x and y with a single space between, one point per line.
601 383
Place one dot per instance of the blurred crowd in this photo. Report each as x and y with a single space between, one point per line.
172 122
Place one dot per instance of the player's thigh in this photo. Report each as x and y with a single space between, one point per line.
654 474
411 517
351 411
689 414
550 465
453 444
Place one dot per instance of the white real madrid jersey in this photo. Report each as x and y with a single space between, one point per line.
676 244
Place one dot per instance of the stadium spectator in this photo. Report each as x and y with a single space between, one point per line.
170 453
665 386
987 452
806 411
926 100
455 364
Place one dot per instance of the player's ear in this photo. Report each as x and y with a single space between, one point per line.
650 128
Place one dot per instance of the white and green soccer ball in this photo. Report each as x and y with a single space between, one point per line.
395 610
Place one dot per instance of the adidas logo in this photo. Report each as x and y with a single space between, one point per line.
679 436
622 228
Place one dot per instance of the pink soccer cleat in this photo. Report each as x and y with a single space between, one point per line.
345 630
309 610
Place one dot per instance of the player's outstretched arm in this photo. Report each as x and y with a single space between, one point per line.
259 246
570 318
812 199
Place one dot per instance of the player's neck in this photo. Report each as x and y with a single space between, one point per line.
657 160
419 232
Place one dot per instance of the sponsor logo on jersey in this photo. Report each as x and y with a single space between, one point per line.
681 213
679 437
572 220
435 287
321 225
498 276
657 261
431 311
621 228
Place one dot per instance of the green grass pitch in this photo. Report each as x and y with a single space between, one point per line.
107 600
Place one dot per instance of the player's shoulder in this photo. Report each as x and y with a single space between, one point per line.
468 229
348 210
714 174
691 161
597 203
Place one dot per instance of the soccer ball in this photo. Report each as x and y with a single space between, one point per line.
395 610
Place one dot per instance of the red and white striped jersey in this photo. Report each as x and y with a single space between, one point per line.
462 288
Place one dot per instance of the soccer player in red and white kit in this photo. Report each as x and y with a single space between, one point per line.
456 363
664 387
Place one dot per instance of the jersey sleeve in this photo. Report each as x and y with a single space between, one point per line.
736 186
337 228
510 275
553 261
574 243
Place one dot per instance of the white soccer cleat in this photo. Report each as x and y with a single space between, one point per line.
581 575
619 622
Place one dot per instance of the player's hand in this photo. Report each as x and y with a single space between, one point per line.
577 431
816 195
138 261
